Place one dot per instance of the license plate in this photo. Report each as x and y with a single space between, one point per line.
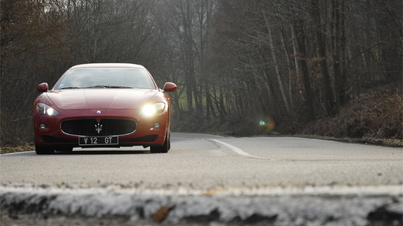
98 141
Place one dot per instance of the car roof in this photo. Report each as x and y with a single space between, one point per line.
108 65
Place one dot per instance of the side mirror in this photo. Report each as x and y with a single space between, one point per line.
169 87
43 87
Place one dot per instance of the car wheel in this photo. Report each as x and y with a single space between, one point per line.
40 150
163 148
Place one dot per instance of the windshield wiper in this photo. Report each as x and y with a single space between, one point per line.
113 87
120 87
71 87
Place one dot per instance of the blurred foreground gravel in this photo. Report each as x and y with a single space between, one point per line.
111 206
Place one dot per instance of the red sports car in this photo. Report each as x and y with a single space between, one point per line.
103 105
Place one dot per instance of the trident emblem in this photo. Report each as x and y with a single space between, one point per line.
98 128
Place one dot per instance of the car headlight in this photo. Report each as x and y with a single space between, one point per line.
149 110
45 109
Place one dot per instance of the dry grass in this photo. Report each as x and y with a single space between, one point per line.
377 120
21 148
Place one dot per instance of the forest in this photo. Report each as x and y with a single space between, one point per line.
325 67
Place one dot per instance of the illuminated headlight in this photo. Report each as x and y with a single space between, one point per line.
150 110
45 109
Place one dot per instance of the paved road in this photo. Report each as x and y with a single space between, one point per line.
207 162
205 180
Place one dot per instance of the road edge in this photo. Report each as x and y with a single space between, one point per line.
366 206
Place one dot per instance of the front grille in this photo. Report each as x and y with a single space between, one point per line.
104 127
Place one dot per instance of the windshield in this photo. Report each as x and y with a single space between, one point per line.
85 78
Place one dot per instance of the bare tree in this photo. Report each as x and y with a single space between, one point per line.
186 24
32 41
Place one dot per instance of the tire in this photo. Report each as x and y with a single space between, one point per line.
65 149
162 148
40 150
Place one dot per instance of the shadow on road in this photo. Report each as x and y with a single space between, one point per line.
104 152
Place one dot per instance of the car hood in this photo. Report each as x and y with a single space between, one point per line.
100 98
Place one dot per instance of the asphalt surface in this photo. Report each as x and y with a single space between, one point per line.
201 172
206 162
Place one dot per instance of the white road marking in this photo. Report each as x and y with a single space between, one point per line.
237 150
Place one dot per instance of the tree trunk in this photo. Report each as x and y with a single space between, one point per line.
328 96
338 48
278 74
301 56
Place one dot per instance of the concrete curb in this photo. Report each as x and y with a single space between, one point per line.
156 207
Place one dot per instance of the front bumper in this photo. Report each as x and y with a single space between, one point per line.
149 131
